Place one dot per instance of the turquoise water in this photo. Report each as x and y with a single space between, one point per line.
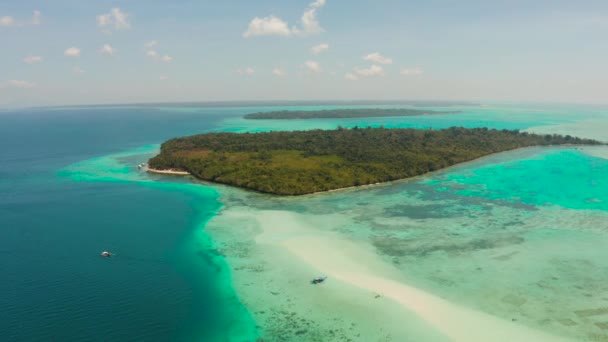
69 188
466 235
538 178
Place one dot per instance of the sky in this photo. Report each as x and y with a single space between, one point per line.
71 52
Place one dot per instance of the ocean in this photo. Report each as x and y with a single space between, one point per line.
165 283
509 235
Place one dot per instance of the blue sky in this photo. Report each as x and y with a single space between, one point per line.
86 52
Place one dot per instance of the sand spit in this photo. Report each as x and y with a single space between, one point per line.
168 172
357 265
591 129
273 283
596 151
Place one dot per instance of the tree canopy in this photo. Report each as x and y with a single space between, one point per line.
302 162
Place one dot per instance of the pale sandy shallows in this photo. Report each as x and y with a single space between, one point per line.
168 172
358 266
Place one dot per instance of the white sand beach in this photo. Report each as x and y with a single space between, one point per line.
168 172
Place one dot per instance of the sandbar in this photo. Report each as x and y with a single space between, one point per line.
169 172
357 265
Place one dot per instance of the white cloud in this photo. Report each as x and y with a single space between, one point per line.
318 4
72 52
317 49
373 70
115 18
36 18
107 50
247 71
350 76
309 21
32 59
154 54
157 57
411 72
151 44
279 72
377 58
267 26
77 70
163 78
274 26
313 67
20 84
7 21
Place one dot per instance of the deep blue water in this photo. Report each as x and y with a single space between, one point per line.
161 285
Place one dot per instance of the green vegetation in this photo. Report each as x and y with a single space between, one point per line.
297 163
343 113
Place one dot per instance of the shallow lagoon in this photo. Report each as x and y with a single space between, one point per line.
520 236
541 265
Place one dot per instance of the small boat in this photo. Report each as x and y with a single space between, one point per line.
106 254
318 280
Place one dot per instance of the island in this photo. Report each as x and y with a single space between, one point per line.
304 162
343 113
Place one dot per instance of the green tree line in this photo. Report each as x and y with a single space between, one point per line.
301 162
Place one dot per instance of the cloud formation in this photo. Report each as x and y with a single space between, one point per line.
267 26
377 58
309 21
32 59
313 67
20 84
152 53
116 18
275 26
8 21
247 71
36 18
317 49
411 72
279 72
73 52
373 70
350 76
107 50
151 44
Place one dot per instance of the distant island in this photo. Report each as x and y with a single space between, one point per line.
304 162
343 113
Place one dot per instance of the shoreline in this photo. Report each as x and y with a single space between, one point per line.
364 186
168 172
409 179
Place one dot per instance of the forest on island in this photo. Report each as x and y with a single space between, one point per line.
302 162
